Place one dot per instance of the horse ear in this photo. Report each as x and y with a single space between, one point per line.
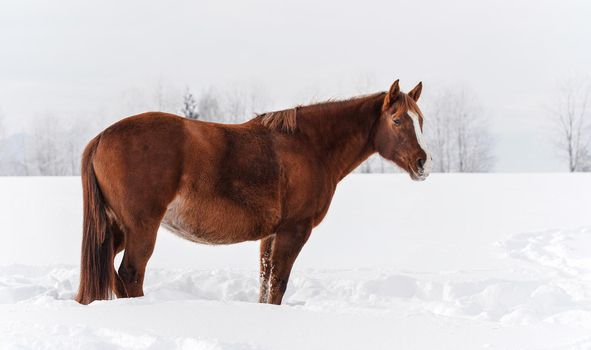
416 92
391 95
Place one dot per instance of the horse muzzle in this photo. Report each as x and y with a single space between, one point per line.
421 171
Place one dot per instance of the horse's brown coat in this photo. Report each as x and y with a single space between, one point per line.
270 179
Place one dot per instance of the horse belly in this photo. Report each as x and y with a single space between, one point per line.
216 222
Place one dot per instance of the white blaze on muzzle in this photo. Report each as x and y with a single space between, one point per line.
421 141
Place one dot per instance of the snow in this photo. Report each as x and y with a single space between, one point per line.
455 262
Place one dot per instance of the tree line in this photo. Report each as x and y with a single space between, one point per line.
456 126
52 146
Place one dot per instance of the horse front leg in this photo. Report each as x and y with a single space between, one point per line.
287 245
265 261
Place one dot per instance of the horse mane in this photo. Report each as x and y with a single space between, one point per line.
286 120
283 121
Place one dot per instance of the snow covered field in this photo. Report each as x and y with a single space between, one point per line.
456 262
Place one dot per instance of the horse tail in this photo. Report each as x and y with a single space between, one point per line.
96 268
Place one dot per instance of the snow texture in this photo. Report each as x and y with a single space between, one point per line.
465 279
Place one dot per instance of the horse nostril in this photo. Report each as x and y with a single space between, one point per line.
420 163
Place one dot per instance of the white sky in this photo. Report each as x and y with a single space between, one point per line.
71 57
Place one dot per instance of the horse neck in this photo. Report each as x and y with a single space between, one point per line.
342 132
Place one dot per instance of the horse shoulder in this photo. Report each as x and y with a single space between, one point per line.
308 188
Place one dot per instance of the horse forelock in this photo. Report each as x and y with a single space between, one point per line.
407 105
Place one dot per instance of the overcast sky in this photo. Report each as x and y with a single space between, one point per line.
72 57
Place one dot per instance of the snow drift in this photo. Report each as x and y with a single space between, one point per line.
458 262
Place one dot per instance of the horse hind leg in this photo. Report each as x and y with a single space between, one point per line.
140 238
118 246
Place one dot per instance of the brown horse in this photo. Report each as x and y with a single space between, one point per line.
270 179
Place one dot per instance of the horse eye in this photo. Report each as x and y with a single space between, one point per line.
397 121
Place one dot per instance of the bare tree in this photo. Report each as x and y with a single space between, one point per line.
44 151
77 132
2 132
12 152
458 133
584 160
233 105
54 146
439 133
3 151
159 96
189 109
241 104
165 98
208 105
571 121
367 166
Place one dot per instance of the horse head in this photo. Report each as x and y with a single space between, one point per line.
399 132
